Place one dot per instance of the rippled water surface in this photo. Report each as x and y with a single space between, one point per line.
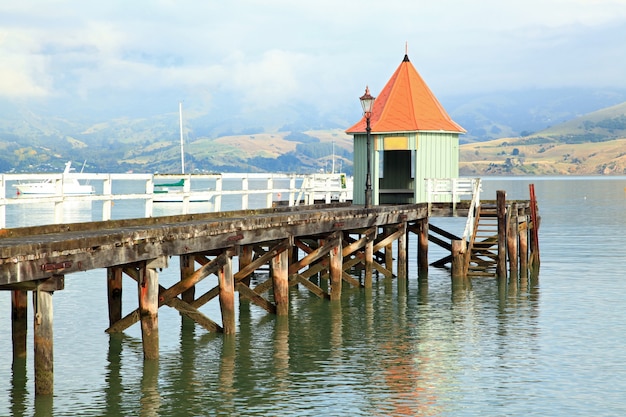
553 345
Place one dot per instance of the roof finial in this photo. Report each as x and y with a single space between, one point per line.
406 51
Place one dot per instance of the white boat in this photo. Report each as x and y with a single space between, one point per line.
49 186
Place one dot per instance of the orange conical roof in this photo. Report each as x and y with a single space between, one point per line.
406 104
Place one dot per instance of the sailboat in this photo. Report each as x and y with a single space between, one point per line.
174 192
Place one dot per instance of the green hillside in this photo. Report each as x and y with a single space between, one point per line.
593 144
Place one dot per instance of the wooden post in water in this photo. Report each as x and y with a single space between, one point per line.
187 268
246 254
512 240
523 248
19 322
369 258
335 269
458 259
227 296
148 286
280 278
501 208
114 290
422 247
534 245
44 357
402 256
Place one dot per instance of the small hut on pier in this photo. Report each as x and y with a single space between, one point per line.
413 138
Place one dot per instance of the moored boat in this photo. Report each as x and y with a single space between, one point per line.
49 186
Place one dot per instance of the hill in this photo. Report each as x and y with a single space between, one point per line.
593 144
41 138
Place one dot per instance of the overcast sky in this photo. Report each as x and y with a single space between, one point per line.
272 52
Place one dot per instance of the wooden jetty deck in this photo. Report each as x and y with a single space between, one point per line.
296 243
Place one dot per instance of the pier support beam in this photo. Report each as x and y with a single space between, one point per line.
422 247
523 249
19 322
227 296
114 290
402 253
501 261
187 268
44 365
280 278
369 258
148 286
336 269
512 242
458 260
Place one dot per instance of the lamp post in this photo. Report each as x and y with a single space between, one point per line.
367 102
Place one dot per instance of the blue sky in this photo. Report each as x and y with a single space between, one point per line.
268 53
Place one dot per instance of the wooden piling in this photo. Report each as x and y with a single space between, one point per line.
369 259
402 253
458 259
148 286
422 247
227 296
43 332
512 240
114 290
280 278
501 209
336 270
187 268
523 248
19 322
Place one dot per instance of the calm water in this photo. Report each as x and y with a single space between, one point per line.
555 346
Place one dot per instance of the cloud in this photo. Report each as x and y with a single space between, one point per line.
272 52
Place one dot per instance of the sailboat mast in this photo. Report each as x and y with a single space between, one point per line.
182 147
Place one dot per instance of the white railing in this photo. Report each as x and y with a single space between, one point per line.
449 189
202 192
472 213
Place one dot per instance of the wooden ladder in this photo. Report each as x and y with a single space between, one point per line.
482 252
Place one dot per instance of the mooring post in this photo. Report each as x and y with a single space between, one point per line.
523 248
227 295
187 268
44 364
458 259
422 247
19 322
501 209
280 280
512 242
114 291
148 286
402 253
369 258
336 270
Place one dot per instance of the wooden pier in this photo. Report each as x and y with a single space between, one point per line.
329 241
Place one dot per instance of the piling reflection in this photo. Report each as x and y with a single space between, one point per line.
400 348
18 387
